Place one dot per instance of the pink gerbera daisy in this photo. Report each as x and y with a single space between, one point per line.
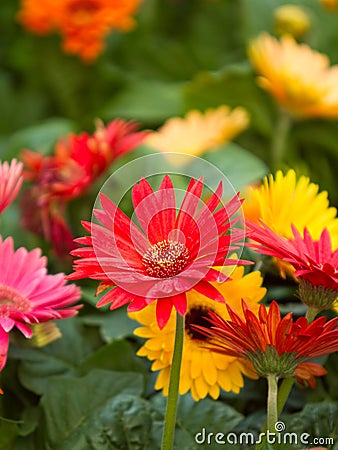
314 260
10 182
169 255
28 294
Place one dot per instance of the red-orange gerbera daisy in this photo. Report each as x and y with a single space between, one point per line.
83 24
274 345
315 263
169 256
80 159
77 162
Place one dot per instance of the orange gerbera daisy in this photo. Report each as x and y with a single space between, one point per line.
300 79
274 345
83 24
330 5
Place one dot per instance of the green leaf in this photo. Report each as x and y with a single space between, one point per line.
94 412
118 355
193 417
30 420
234 86
112 324
125 423
61 356
146 101
40 137
8 432
237 164
317 419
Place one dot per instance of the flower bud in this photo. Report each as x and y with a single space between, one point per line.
291 19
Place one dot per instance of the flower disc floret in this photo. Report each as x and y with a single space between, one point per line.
165 259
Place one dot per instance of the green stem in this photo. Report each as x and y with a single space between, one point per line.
272 412
283 393
287 383
279 139
170 415
311 313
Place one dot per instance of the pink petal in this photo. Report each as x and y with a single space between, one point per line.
3 347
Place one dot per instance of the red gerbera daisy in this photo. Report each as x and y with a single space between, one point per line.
77 162
170 255
274 345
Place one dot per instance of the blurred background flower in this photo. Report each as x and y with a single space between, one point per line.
78 161
83 24
291 19
198 132
299 78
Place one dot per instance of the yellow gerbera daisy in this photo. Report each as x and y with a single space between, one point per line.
198 132
202 372
300 79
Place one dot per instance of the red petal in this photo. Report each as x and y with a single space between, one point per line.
163 311
117 296
205 288
180 303
137 304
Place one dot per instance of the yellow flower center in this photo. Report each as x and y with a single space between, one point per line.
11 301
197 316
166 259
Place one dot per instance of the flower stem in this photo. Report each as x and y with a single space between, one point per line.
170 415
287 383
272 411
311 313
284 392
280 135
